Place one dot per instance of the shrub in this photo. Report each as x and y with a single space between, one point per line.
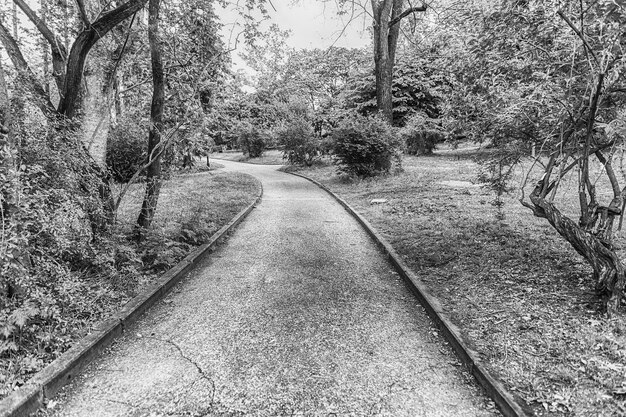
421 135
421 142
365 146
251 141
126 149
300 146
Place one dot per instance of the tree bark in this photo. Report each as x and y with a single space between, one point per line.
153 172
382 64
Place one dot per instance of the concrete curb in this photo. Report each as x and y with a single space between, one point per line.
509 405
46 383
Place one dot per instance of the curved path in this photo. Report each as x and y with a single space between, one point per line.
298 314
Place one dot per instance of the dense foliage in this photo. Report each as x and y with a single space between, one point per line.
56 241
421 134
251 140
300 144
418 87
126 149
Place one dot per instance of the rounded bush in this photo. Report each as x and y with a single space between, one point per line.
365 146
251 141
300 145
421 135
126 149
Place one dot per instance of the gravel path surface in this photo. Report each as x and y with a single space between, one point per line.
298 314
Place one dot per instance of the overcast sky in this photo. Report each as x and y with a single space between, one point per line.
312 25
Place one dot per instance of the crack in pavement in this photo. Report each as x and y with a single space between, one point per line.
131 405
201 372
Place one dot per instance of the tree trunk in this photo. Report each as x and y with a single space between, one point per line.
96 118
43 6
382 62
387 16
608 271
153 173
25 73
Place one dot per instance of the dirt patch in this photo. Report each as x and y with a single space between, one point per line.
459 184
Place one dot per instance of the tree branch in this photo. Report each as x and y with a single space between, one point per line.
84 42
609 172
579 34
83 13
407 12
41 26
30 80
59 53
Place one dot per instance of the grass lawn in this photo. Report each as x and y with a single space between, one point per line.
204 201
271 157
522 296
192 207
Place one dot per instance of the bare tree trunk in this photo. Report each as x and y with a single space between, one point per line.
14 15
153 172
45 48
382 63
387 16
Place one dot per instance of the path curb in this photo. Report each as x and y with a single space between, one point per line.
509 405
46 383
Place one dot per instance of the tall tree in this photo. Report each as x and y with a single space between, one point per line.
387 15
153 172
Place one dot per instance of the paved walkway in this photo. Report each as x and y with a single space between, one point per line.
298 314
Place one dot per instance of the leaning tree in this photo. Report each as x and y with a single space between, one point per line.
68 66
548 79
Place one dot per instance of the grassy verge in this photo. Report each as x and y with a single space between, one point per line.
522 296
192 207
271 157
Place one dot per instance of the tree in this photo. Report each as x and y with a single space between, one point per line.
555 82
68 67
418 86
153 172
387 16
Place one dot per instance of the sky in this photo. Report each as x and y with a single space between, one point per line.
312 23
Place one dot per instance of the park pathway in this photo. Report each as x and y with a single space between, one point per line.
298 314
